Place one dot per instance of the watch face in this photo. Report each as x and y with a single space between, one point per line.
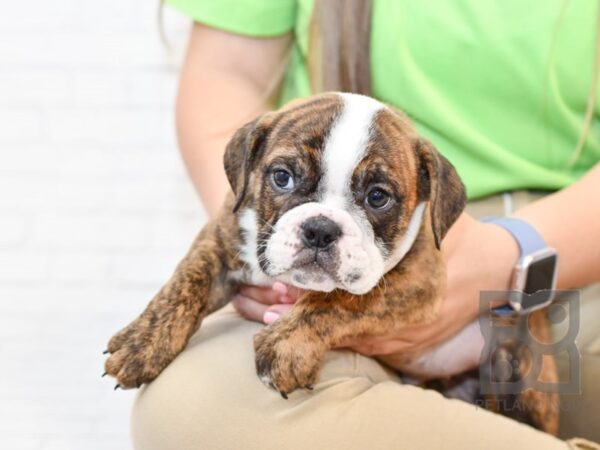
540 276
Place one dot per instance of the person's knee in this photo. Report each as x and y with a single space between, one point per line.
195 396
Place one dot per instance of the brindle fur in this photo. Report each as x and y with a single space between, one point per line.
290 351
199 286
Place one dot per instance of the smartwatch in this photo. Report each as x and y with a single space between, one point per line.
534 276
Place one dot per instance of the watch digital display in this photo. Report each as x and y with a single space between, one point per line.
540 276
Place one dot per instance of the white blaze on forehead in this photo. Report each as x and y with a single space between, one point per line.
346 145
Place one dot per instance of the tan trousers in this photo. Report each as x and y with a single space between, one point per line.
210 398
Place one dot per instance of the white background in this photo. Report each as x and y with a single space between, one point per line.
95 207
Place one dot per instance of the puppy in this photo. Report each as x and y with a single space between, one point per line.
335 194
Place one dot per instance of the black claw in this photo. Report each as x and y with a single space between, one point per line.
117 386
283 394
103 375
105 352
310 387
138 385
272 386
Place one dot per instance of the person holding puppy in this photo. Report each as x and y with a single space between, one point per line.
507 95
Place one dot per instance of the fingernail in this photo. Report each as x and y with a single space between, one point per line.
280 288
287 300
270 317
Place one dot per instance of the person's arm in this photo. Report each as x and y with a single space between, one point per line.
569 221
225 82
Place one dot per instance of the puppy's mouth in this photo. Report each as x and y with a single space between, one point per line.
315 265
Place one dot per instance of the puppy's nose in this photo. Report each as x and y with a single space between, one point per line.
320 232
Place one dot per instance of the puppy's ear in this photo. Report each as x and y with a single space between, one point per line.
241 153
440 184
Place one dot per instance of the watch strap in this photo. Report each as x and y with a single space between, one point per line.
528 239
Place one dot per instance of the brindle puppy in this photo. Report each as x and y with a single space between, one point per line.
336 194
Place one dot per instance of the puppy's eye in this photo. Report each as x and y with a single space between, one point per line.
283 179
378 199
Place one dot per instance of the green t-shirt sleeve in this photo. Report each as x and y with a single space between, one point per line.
248 17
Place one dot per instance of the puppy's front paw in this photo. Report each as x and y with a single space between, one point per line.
286 361
138 354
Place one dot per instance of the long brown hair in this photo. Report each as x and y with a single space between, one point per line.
339 57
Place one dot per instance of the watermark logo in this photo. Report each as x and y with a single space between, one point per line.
516 346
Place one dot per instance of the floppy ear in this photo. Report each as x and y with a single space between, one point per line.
440 184
242 151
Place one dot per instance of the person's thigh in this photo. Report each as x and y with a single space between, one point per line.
210 398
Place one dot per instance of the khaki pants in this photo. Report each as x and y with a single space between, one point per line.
210 398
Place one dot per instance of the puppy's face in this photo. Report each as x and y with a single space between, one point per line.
332 191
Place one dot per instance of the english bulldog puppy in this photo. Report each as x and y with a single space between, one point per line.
335 194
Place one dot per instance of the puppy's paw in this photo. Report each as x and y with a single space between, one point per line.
286 361
138 354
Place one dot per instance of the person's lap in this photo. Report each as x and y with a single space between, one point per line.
210 398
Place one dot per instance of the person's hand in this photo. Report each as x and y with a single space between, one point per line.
265 304
478 257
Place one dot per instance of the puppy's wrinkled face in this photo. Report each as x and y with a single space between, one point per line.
331 192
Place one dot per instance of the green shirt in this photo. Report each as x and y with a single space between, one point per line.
500 87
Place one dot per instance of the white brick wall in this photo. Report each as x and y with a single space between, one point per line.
95 207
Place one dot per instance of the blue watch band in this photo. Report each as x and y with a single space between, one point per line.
528 239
